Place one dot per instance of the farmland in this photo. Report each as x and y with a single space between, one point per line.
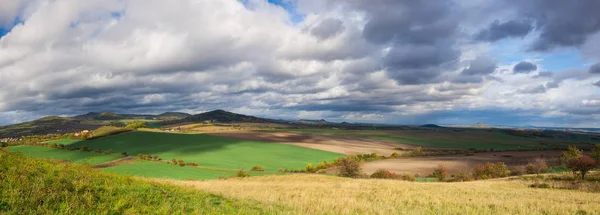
211 151
457 138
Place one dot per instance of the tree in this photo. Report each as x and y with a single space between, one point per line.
582 165
595 154
572 153
124 154
84 148
348 167
3 144
440 172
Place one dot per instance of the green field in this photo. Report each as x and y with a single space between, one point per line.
65 142
64 155
37 186
161 170
456 138
211 151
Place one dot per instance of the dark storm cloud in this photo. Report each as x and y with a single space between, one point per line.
497 31
561 23
595 69
328 28
524 67
480 66
421 35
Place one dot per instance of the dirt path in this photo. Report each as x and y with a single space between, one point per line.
456 163
125 160
338 144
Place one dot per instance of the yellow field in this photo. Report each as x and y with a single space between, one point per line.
316 194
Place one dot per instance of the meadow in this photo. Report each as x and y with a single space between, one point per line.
40 186
457 138
160 170
211 151
319 194
78 157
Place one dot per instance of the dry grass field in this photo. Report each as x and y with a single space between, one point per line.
318 194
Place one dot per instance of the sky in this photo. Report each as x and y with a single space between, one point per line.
499 62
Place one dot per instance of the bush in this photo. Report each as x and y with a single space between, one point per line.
155 157
191 164
124 154
395 155
440 172
518 170
582 165
174 161
539 185
181 162
242 174
461 177
257 169
98 150
490 170
595 154
572 153
61 146
3 144
84 148
418 151
538 166
384 174
348 167
408 177
108 152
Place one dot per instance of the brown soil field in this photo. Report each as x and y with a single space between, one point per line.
338 144
456 163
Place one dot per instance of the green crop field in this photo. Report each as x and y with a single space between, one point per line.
161 170
64 155
211 151
456 138
65 142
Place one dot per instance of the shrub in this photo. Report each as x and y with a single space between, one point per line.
582 165
490 170
384 174
572 153
242 174
257 169
84 148
538 166
124 154
3 144
61 146
155 157
440 172
309 168
395 155
461 177
54 145
98 150
108 152
181 162
348 167
408 177
418 151
174 161
191 164
518 170
540 185
595 154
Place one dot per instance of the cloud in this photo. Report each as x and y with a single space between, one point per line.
595 69
524 67
597 84
497 31
405 60
328 28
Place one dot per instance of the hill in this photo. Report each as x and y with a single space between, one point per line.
52 187
224 117
46 125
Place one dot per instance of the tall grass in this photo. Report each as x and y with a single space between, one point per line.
36 186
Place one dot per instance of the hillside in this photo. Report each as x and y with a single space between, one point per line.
63 188
46 125
224 117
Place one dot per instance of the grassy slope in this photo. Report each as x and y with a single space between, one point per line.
64 155
65 142
165 171
35 186
315 194
465 138
211 151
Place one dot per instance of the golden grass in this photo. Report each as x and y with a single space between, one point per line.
317 194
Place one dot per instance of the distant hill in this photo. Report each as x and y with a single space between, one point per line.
223 116
431 126
100 116
481 125
174 115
